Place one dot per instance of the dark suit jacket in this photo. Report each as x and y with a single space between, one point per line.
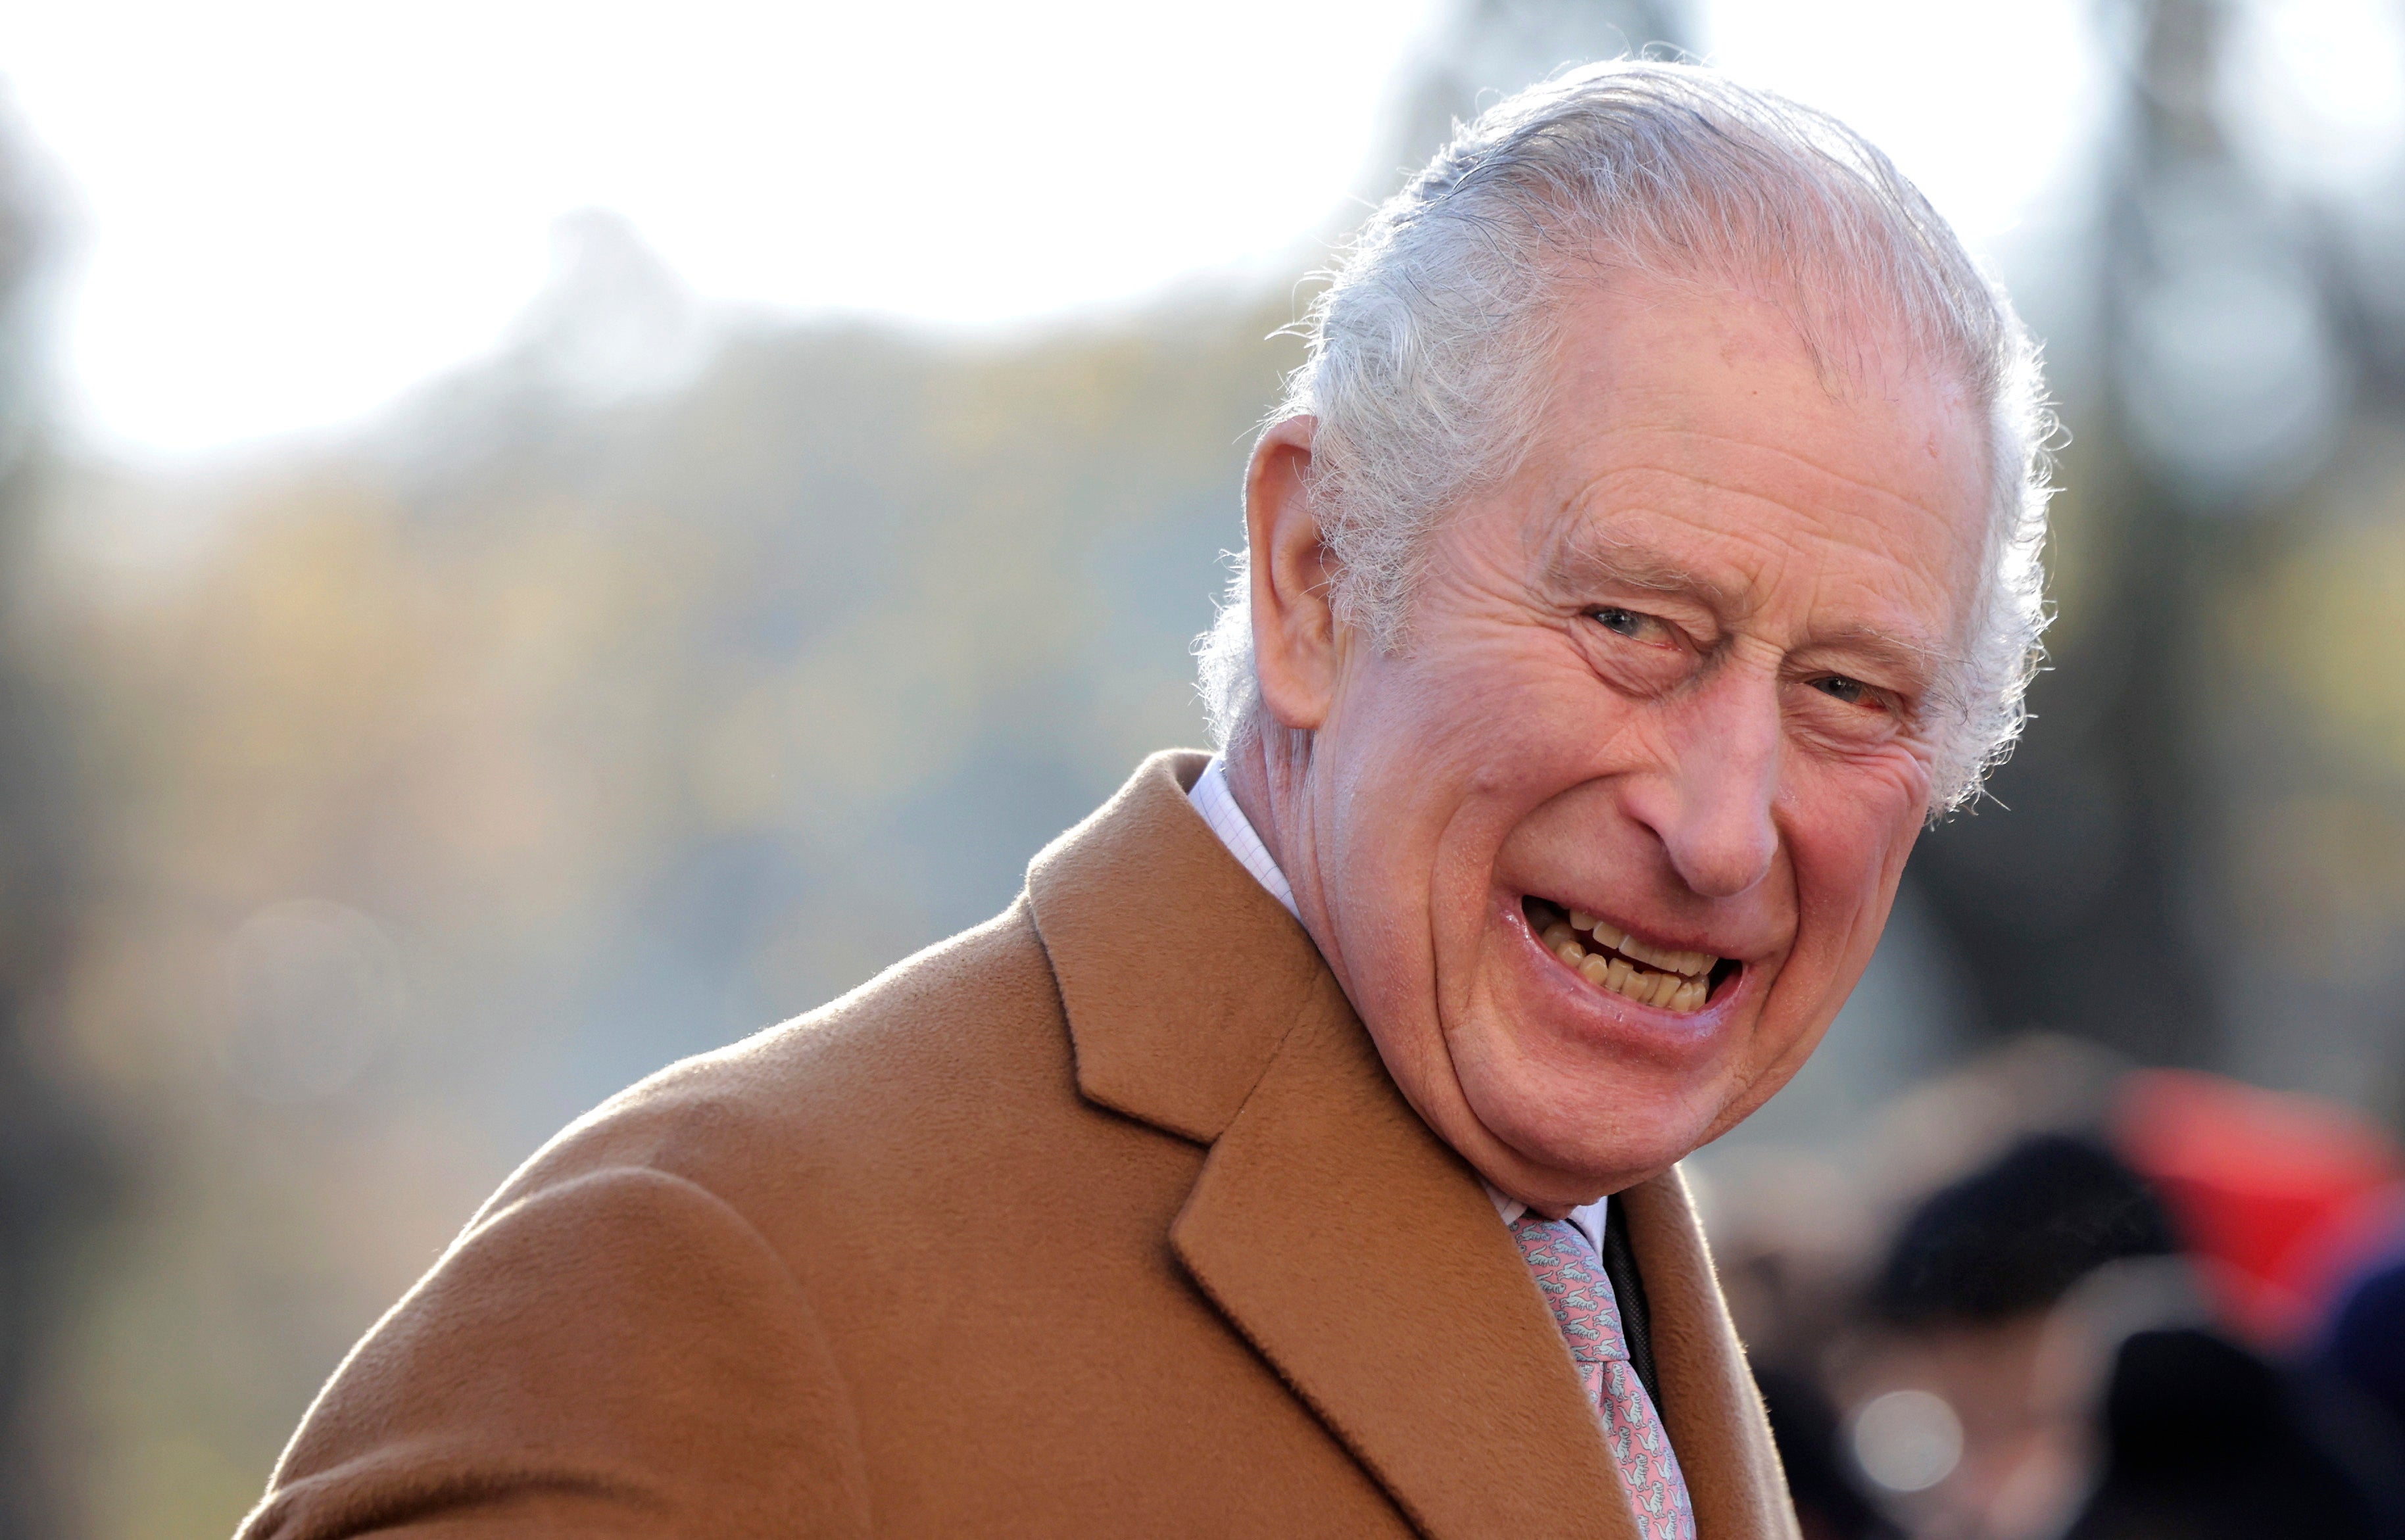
1100 1219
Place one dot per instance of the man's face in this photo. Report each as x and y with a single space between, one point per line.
1677 677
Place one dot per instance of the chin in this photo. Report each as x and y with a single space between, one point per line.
1591 1087
1584 1139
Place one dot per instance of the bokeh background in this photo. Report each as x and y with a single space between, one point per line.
537 541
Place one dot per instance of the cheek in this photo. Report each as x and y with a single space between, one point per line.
1489 715
1848 830
1415 768
1439 758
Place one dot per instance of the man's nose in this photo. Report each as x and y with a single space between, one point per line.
1713 806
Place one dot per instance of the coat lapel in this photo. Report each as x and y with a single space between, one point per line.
1708 1401
1361 1257
1178 973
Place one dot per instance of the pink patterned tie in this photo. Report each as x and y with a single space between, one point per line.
1568 1270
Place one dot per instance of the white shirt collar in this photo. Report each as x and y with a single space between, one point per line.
1587 1220
1213 799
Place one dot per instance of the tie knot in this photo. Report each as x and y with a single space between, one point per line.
1571 1276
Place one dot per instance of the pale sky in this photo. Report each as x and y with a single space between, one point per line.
291 210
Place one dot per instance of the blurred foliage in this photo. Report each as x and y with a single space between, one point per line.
55 1169
455 781
2192 858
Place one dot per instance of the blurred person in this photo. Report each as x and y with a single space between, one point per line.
2204 1441
1830 1503
1965 1302
1646 551
2043 1301
2355 1370
2276 1195
2363 1345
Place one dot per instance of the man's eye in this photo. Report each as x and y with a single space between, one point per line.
1627 623
1851 691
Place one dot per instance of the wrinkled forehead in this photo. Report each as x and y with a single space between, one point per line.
1853 330
1692 436
1859 292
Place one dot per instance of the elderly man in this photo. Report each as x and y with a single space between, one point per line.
1647 550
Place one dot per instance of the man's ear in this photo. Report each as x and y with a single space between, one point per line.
1294 622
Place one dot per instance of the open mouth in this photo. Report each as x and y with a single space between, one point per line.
1610 958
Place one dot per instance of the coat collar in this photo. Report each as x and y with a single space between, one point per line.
1355 1250
1709 1400
1178 973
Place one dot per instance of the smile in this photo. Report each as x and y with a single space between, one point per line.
1610 958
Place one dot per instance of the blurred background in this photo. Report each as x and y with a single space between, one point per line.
536 540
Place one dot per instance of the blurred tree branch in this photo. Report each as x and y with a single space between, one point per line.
52 1180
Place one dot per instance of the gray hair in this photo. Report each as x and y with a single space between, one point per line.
1429 345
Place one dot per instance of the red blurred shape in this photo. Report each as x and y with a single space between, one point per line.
2275 1194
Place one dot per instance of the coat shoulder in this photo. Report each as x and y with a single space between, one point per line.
960 1041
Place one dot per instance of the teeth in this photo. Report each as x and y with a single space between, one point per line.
1606 933
1643 984
1672 980
1689 964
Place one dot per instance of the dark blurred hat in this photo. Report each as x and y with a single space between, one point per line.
2014 1236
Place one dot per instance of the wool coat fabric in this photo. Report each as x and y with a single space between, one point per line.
1101 1219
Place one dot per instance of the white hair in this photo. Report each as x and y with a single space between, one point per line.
1430 345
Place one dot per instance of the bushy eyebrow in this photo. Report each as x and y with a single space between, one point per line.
1929 668
1584 560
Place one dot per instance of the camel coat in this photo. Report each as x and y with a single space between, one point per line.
1100 1219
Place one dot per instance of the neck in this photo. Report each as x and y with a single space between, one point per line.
1269 771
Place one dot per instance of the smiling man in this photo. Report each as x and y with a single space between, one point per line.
1646 552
